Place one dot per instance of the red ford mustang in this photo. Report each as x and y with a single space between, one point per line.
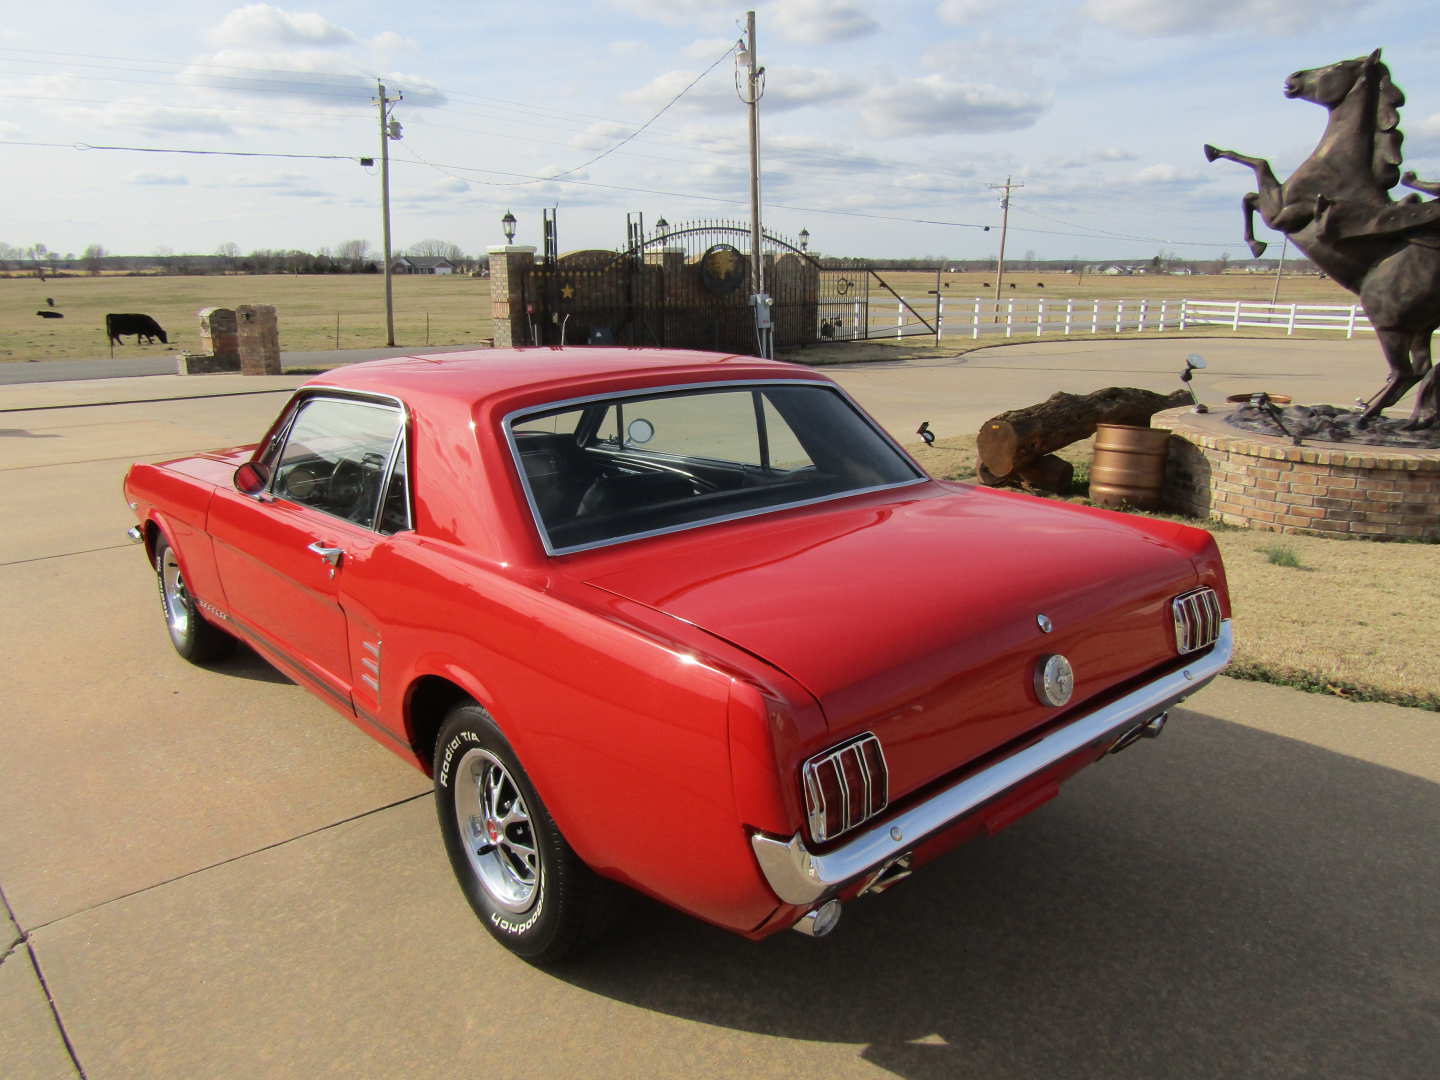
688 622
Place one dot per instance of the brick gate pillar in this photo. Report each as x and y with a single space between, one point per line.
258 339
508 263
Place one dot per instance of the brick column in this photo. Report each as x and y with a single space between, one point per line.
508 263
258 335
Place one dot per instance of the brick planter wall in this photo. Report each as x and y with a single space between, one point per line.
1319 489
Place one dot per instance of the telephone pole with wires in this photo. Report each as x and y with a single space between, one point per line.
1004 228
389 129
745 58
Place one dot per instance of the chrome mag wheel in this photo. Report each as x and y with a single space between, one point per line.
179 610
496 829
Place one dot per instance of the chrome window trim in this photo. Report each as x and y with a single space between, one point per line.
507 423
320 392
800 876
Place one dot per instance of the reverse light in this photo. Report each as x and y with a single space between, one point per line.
845 787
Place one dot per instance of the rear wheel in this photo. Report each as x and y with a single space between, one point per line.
528 887
194 637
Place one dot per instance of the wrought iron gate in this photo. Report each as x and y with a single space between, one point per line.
689 287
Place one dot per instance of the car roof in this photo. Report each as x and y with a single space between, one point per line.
484 374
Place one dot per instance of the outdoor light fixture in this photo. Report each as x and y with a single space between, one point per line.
508 224
804 239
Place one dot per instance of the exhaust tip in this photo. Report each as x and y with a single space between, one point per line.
821 921
1151 729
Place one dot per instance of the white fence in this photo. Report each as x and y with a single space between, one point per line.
1034 317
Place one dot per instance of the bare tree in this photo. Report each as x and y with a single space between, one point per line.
352 254
94 256
438 249
228 252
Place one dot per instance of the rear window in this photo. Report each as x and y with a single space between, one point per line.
617 468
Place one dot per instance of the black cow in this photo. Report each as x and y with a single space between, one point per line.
139 325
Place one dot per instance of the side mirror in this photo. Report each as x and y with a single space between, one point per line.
251 478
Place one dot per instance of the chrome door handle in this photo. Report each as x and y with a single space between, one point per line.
330 554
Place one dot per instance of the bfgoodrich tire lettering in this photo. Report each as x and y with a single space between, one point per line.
528 887
194 637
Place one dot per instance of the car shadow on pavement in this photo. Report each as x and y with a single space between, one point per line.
246 663
1222 902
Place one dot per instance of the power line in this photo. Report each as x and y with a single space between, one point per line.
175 150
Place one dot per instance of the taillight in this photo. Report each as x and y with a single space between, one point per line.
1197 620
845 787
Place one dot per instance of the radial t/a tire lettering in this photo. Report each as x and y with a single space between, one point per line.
194 637
532 892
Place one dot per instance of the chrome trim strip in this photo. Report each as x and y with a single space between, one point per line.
799 876
507 423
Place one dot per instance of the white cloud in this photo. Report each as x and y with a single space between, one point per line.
814 21
934 104
1423 137
625 48
143 116
1170 175
677 12
305 75
264 24
391 42
1157 18
964 11
707 48
1097 156
785 88
158 179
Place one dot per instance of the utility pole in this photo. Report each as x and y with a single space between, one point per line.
1004 228
763 330
1275 297
389 129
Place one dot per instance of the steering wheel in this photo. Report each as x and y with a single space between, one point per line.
347 490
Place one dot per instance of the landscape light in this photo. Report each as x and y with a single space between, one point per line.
508 224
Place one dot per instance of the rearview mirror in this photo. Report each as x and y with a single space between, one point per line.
251 478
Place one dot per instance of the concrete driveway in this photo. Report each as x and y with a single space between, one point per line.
211 874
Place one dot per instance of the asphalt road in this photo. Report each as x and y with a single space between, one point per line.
215 875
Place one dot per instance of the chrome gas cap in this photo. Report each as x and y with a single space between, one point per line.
1054 679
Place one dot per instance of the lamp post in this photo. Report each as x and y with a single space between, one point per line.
507 223
661 228
804 239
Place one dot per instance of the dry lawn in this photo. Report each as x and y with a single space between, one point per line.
1354 618
457 309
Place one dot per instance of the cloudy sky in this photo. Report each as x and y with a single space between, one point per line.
884 126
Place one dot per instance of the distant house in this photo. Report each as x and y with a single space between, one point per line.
422 264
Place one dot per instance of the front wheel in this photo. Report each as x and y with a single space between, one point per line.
194 637
528 887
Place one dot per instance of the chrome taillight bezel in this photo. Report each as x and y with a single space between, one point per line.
1197 617
852 780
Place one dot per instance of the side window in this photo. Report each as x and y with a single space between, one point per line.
335 457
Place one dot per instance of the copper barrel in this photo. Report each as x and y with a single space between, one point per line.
1129 466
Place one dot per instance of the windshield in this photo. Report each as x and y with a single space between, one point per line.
616 468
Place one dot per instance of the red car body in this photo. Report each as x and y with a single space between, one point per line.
666 692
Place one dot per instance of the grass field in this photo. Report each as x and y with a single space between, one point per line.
458 308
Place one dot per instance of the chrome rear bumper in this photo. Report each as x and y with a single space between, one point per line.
799 876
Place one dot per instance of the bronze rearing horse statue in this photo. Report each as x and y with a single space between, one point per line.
1337 209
